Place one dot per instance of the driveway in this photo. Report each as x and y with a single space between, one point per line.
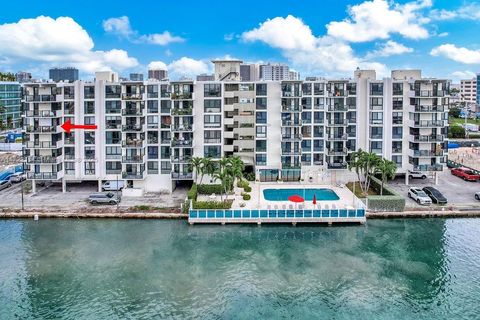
458 192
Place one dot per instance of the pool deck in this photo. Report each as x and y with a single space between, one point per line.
347 209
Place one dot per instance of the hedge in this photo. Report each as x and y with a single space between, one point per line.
247 189
192 193
246 196
242 183
210 188
227 204
390 201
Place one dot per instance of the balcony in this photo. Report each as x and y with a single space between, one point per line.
292 137
337 122
337 165
337 137
182 112
376 121
181 95
41 98
132 127
423 93
425 153
427 123
376 136
44 113
338 108
291 123
42 129
132 96
44 144
42 176
133 144
182 144
337 152
133 159
42 159
181 159
291 152
133 175
182 175
182 128
428 138
286 108
132 112
428 109
337 93
425 167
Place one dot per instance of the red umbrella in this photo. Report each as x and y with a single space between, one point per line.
295 198
314 199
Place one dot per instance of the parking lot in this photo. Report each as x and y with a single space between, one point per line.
51 198
458 192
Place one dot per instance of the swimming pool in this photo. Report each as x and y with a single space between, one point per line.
307 194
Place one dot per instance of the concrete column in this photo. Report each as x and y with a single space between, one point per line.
64 185
406 178
99 185
436 178
34 186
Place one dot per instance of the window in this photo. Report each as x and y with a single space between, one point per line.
377 103
212 120
261 146
165 152
261 89
152 106
318 89
69 167
212 136
89 137
89 107
113 106
261 117
318 103
89 120
397 146
397 160
261 131
318 145
352 88
113 137
89 168
212 151
307 103
306 117
113 152
307 89
397 89
164 91
113 122
261 103
152 91
306 145
376 146
152 167
397 104
113 167
152 152
318 117
212 105
89 92
376 89
397 117
376 117
212 90
113 91
306 159
68 92
397 132
165 167
152 122
165 106
261 159
376 132
89 153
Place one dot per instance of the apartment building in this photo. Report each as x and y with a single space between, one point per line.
468 91
63 74
149 130
10 104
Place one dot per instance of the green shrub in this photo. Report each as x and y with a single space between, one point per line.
227 204
250 176
192 193
386 203
210 188
246 196
247 189
242 184
186 206
142 207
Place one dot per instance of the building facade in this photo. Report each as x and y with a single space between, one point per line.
63 74
159 74
468 91
274 72
149 130
10 104
23 76
136 76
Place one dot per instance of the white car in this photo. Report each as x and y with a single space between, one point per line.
17 177
419 196
477 195
417 175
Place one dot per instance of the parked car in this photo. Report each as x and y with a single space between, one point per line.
436 196
417 175
477 195
17 177
104 198
419 196
113 185
4 184
465 174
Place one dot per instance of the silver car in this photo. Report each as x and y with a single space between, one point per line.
17 177
4 184
104 198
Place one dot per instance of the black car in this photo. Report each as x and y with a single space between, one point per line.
436 196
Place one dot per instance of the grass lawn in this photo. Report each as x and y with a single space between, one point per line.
358 190
460 121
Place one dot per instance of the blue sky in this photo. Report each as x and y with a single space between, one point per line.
325 38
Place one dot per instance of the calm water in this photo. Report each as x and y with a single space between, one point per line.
397 269
307 194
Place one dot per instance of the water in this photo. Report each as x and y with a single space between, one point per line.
144 269
306 194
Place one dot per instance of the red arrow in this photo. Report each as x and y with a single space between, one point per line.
68 126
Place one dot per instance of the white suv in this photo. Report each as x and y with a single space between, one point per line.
417 175
419 195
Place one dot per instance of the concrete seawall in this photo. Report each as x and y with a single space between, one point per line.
423 214
96 215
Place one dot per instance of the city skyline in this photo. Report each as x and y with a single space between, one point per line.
327 39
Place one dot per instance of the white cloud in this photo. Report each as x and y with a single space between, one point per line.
442 35
188 67
121 27
157 65
462 75
378 19
459 54
308 53
59 42
390 48
465 12
284 33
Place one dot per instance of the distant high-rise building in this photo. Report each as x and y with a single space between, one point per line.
10 100
478 90
293 75
249 72
63 74
468 90
205 77
158 74
22 76
136 76
274 72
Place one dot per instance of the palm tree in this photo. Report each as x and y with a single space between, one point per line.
206 168
387 170
196 164
237 167
364 164
223 177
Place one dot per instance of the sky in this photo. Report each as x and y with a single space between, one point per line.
328 38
